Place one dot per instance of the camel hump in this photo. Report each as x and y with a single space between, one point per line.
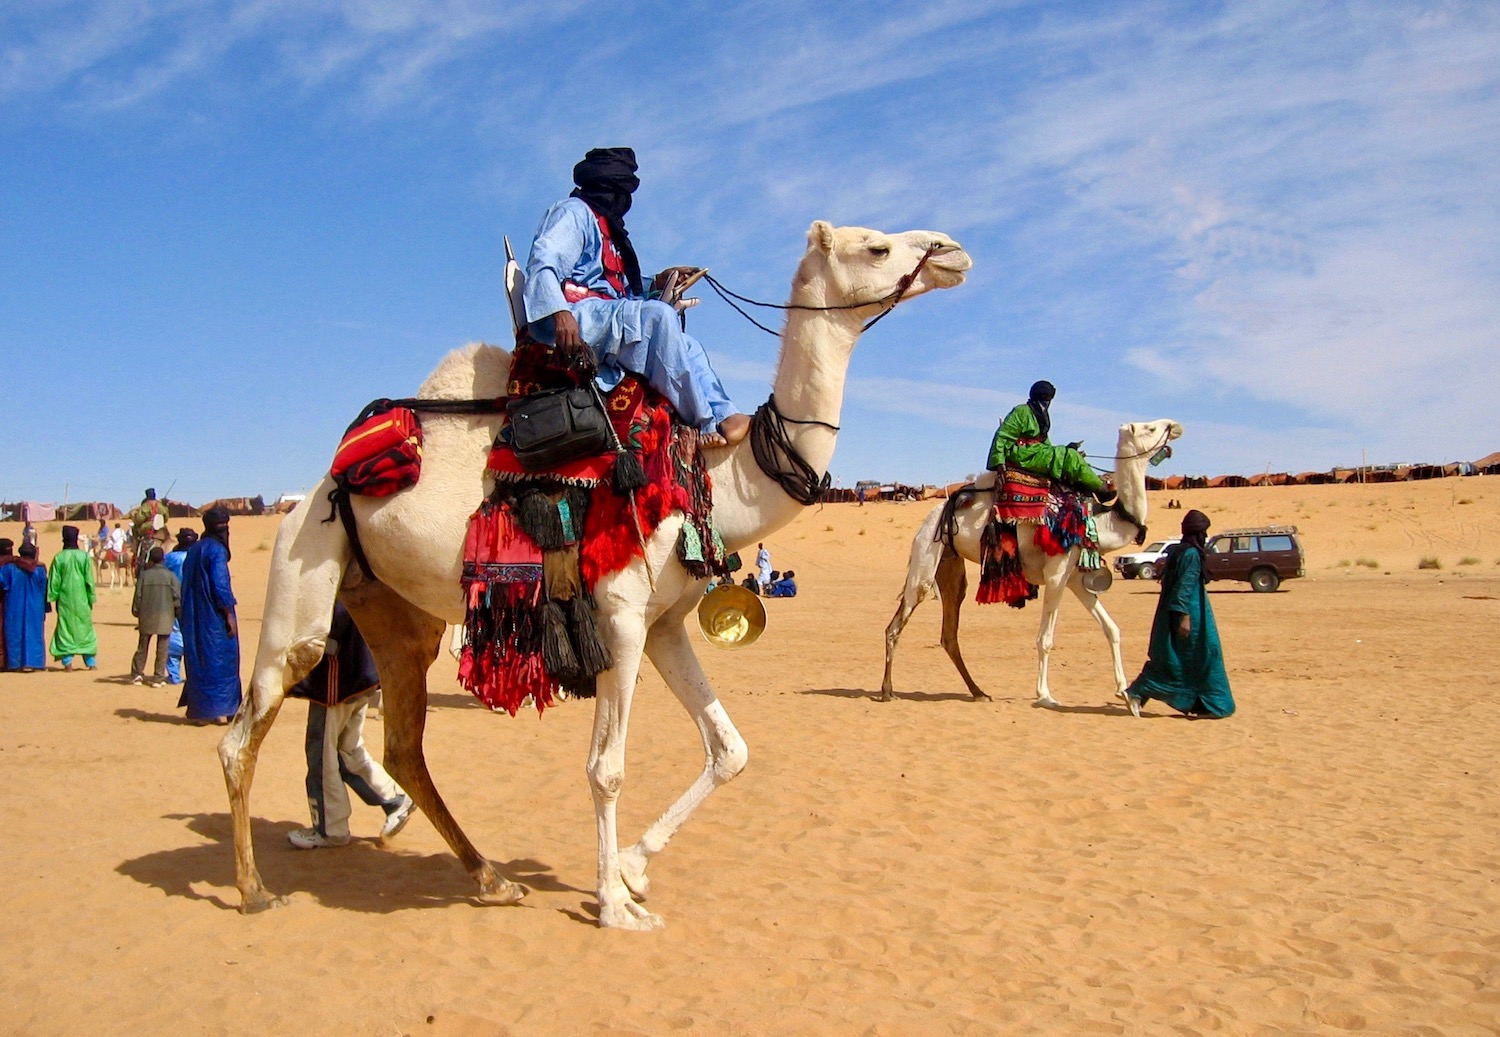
478 371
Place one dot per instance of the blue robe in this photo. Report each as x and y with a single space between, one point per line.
25 616
1187 673
626 333
173 561
213 657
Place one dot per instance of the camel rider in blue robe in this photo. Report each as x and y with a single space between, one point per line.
583 285
1021 440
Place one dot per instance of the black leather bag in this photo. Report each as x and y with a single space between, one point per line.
551 428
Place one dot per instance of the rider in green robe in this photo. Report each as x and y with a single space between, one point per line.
1021 440
1185 663
70 585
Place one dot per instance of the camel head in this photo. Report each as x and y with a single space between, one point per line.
1141 439
852 264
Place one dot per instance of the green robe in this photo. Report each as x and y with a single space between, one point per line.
1059 462
70 585
1187 673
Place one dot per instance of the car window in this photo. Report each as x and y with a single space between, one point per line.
1156 547
1276 543
1220 546
1244 544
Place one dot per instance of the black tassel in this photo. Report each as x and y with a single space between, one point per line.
593 655
538 518
557 648
629 475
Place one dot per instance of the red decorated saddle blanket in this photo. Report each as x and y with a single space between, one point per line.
1021 495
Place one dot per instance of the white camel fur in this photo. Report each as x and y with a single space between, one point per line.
935 568
414 543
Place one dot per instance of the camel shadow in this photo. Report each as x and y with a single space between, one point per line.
155 718
453 701
1110 710
912 696
363 876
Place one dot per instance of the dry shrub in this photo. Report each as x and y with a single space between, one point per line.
1430 562
1468 560
1368 563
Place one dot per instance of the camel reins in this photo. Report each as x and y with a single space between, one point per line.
893 297
779 459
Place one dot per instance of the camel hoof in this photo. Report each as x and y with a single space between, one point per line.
501 893
633 872
979 696
632 916
886 695
1046 702
255 903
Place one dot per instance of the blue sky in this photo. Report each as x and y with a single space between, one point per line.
225 225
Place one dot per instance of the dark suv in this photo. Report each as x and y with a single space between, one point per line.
1262 557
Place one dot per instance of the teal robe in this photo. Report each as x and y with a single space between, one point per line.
1187 673
1040 456
70 586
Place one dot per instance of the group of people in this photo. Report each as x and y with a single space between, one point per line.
183 602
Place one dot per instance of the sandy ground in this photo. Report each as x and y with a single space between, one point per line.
1324 861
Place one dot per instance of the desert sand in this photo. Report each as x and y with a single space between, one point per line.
1324 861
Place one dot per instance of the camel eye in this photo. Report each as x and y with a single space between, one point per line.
880 251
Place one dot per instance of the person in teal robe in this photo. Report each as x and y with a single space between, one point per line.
1185 662
1022 440
23 594
70 587
210 627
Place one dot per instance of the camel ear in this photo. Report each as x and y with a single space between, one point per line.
820 236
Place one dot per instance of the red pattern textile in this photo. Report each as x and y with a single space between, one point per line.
501 663
1021 496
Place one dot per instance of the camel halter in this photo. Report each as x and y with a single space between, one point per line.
893 297
778 458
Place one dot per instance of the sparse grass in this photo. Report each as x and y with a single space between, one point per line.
1343 563
1465 500
1372 527
264 545
1429 562
861 532
1468 560
828 529
1368 563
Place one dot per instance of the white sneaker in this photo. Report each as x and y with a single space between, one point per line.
396 819
309 839
137 679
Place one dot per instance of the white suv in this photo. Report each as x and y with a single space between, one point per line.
1145 563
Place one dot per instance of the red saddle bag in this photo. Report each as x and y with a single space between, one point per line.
381 452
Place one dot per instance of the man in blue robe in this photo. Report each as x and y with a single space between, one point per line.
23 588
1185 662
186 538
583 285
210 628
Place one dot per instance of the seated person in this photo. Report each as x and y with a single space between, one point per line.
750 583
1021 440
583 285
786 587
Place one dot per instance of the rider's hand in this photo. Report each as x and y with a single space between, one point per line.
1077 444
682 272
569 339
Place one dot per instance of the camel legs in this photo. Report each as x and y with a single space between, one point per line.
1107 624
1051 599
725 753
405 641
952 583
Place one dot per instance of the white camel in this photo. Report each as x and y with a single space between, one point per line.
120 564
937 567
414 542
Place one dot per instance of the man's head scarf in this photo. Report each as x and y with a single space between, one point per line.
1195 529
1040 400
27 551
151 494
7 547
186 538
70 537
216 527
606 179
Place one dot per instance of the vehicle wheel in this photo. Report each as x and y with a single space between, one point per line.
1265 580
1128 573
1146 571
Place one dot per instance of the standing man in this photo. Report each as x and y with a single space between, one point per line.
762 569
210 628
339 689
1022 440
23 595
583 286
1185 662
157 602
70 586
186 538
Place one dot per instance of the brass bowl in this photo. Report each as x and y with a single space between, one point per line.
731 616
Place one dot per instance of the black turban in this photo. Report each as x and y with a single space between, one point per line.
1039 401
606 179
1195 522
151 494
186 538
27 551
6 547
70 536
216 527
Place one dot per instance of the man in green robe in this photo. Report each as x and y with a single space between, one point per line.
70 586
1021 440
1185 663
